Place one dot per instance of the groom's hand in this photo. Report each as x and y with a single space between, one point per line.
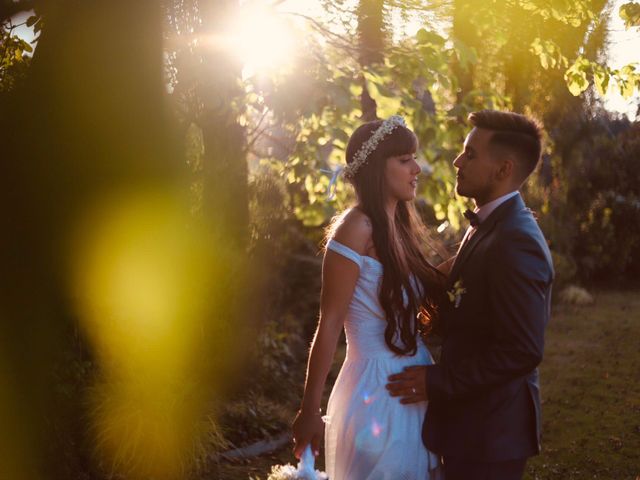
410 385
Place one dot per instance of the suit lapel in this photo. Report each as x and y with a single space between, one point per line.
483 230
466 250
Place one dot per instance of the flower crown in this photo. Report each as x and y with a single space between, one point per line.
362 155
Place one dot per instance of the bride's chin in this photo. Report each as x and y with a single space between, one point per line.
408 197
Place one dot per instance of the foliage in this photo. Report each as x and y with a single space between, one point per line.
289 276
299 118
591 209
15 53
579 75
279 353
630 13
253 418
565 270
609 245
319 125
312 108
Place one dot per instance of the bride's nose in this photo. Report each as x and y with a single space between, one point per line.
415 167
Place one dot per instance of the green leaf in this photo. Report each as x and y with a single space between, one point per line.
576 76
629 69
549 53
626 88
630 13
628 80
340 134
601 80
465 54
536 47
576 84
544 61
425 37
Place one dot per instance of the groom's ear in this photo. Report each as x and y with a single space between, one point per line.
507 167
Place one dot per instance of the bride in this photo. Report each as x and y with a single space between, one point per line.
375 277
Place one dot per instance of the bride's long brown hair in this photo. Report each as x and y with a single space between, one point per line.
399 249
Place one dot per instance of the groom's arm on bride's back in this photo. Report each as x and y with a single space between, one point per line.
339 277
519 281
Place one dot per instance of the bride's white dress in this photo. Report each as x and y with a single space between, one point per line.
370 435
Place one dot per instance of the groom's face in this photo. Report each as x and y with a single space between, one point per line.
476 167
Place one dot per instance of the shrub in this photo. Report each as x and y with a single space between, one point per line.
591 202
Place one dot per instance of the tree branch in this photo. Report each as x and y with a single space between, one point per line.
9 8
343 42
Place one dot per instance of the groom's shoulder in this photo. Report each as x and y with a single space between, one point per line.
355 230
521 227
520 221
520 233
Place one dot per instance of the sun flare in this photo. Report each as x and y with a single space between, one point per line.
261 38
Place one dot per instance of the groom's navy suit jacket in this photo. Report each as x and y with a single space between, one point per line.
484 401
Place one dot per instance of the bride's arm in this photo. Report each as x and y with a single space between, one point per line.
339 277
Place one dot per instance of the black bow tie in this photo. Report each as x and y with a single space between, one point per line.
473 218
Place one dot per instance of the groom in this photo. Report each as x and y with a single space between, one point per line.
483 416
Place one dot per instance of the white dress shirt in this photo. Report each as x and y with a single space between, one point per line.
485 210
483 213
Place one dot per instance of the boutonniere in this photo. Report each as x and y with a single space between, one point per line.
425 324
455 294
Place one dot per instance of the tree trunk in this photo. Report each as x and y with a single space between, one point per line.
371 43
225 164
463 30
519 62
371 31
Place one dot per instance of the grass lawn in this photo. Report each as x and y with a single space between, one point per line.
591 397
591 392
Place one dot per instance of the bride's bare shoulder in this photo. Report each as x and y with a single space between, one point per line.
353 229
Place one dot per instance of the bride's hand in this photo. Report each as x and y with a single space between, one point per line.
307 428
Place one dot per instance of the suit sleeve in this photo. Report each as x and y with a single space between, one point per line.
519 282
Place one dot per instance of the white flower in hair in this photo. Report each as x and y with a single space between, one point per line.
362 155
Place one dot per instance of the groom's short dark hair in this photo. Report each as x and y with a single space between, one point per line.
513 132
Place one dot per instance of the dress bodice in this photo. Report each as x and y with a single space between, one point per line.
366 321
369 435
